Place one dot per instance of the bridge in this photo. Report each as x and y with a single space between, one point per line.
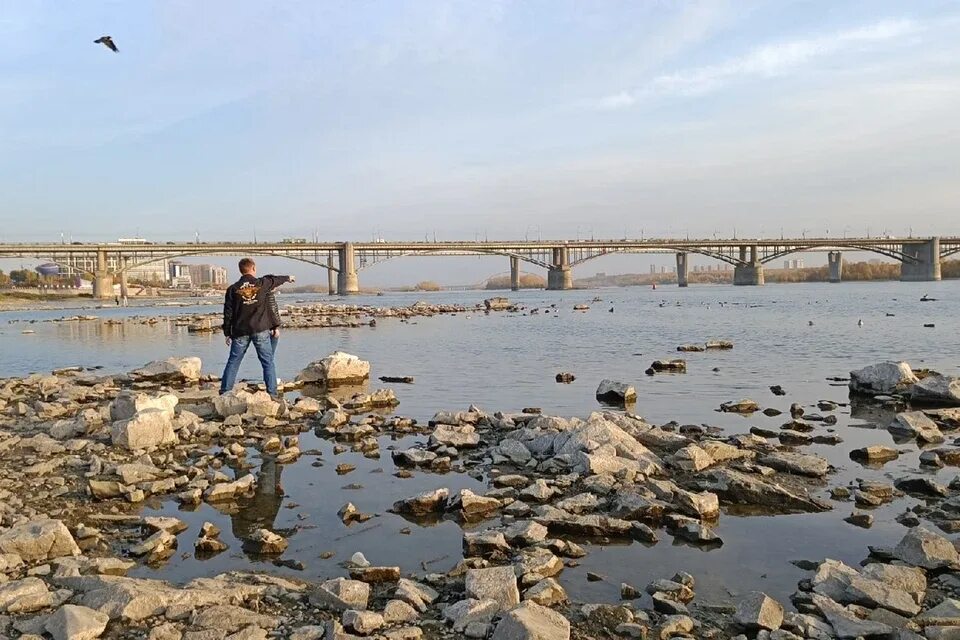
919 257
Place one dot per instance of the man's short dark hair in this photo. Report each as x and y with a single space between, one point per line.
247 265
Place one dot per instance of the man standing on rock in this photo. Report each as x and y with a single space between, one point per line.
247 318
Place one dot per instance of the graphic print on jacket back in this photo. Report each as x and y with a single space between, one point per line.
248 293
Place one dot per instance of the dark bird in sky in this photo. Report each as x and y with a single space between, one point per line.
107 41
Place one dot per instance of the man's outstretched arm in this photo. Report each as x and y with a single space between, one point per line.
272 282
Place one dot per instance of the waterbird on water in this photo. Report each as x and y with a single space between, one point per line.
860 322
811 323
107 41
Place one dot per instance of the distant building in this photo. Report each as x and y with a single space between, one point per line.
208 274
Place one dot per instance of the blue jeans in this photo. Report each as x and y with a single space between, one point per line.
238 348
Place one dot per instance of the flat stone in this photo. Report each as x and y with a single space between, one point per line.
496 583
530 621
947 613
231 618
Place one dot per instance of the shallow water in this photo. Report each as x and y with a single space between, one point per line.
508 361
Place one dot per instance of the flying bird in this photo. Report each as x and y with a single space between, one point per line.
107 41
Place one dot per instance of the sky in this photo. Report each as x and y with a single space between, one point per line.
494 118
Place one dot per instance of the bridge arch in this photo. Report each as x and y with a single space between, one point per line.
660 250
202 253
445 252
889 252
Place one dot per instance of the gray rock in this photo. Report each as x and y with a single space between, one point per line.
462 613
341 594
336 369
884 378
496 583
845 624
24 596
741 488
923 548
915 424
423 503
614 392
362 622
170 370
803 464
935 389
530 621
71 622
947 613
42 539
547 593
148 428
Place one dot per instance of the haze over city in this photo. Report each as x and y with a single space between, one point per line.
462 120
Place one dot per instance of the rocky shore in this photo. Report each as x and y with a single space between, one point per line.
81 453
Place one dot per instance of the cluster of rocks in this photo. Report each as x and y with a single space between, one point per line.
888 381
80 451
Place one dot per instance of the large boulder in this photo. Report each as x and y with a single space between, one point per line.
148 428
39 540
129 403
72 622
170 370
613 392
936 390
530 621
336 369
883 379
599 441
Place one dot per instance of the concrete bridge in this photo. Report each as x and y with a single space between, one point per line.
919 257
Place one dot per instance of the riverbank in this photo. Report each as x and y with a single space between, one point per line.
152 473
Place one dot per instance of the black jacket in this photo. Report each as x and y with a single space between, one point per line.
275 321
246 306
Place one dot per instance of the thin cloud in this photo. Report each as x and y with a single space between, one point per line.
766 61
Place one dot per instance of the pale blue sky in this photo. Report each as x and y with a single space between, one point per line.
495 118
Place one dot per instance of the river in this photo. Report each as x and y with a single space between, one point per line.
507 361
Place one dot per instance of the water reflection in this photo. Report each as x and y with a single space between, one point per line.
260 511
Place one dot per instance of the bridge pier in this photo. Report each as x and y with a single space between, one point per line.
927 265
123 278
559 276
514 273
750 273
102 280
835 265
331 275
347 281
682 270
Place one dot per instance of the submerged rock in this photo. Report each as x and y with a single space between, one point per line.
614 392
